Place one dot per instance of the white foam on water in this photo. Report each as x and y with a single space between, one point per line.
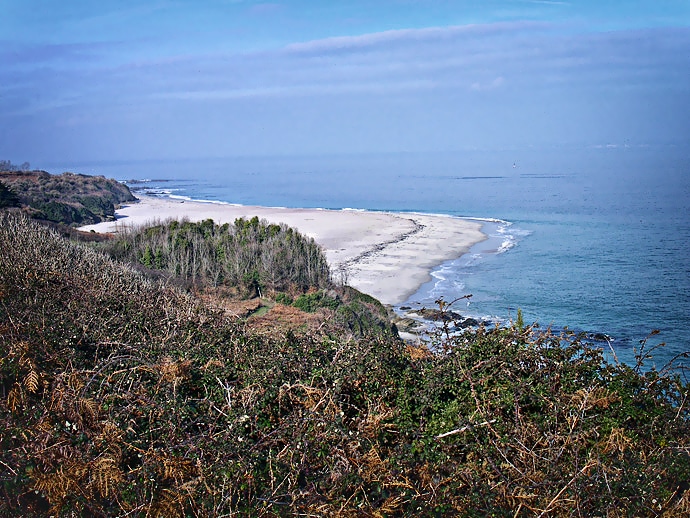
506 245
487 220
510 236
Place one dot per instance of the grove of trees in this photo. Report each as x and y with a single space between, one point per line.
251 254
7 165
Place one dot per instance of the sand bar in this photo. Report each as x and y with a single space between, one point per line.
386 255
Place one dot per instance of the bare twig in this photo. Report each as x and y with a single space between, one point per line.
465 428
558 495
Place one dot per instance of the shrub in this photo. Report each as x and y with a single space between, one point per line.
310 302
283 298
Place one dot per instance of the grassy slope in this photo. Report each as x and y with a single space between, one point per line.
121 396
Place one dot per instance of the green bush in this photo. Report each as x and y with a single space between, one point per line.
59 212
310 302
283 298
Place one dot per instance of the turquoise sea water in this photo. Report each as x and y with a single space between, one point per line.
595 239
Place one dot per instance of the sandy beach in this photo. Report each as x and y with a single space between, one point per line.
386 255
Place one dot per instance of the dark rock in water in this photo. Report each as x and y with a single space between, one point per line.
469 322
408 325
440 316
405 308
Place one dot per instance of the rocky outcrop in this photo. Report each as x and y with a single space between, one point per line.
418 322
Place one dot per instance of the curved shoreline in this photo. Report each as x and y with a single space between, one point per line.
384 254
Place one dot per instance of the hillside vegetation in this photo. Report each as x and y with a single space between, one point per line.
252 258
251 254
120 396
72 199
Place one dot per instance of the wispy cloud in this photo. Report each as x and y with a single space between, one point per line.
13 55
300 90
412 36
548 2
475 58
472 58
477 76
267 8
495 83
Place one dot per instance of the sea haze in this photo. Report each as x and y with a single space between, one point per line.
596 239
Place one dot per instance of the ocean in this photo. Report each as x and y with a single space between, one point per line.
592 239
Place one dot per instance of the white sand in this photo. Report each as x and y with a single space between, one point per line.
386 255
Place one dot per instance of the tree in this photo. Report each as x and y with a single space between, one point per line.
7 165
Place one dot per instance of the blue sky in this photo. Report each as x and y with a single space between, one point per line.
89 80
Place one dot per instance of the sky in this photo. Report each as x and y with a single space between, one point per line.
99 80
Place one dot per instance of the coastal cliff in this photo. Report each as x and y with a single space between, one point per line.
69 198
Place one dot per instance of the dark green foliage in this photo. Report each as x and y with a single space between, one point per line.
252 254
530 414
362 314
310 302
359 314
520 321
121 397
72 199
283 298
8 198
61 212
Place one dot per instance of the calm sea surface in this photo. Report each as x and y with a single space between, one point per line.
597 240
